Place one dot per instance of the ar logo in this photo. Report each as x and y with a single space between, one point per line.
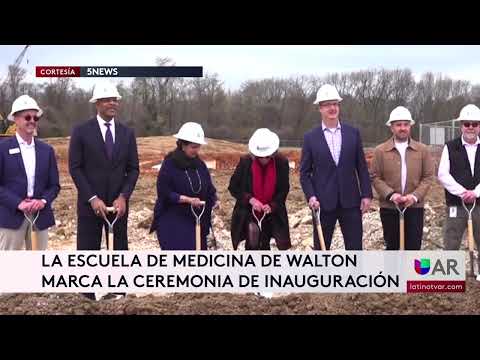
422 267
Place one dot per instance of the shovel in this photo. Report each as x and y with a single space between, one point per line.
254 236
33 233
198 234
259 221
265 294
111 246
470 235
318 225
401 213
110 236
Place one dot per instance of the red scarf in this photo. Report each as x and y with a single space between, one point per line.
264 181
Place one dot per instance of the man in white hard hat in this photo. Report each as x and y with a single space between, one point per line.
29 181
103 163
459 173
334 173
402 174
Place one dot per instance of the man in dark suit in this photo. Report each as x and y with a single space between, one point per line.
334 173
29 180
103 163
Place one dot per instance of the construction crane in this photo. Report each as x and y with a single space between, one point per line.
16 66
20 57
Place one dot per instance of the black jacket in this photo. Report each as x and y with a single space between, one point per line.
93 173
460 170
241 189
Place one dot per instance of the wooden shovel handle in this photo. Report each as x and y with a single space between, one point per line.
323 247
198 237
110 242
470 235
34 239
402 233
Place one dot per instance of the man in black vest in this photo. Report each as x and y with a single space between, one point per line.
459 173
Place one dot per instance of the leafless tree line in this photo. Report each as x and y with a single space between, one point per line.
158 106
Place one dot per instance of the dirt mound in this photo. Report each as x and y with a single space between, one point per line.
247 304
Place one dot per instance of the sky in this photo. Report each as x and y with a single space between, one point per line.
237 63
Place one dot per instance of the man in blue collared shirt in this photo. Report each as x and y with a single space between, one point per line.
334 173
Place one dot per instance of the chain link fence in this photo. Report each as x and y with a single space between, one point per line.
438 133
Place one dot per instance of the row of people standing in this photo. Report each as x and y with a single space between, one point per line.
103 163
333 169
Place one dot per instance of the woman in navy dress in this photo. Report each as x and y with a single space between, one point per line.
183 182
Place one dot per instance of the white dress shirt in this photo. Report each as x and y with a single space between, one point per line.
402 149
103 127
447 180
333 136
29 161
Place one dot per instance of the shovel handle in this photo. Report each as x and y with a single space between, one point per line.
401 211
33 233
110 241
259 221
469 211
110 237
198 231
320 237
470 245
470 235
316 217
198 216
198 237
402 233
34 238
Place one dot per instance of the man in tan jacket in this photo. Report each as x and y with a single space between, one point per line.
402 173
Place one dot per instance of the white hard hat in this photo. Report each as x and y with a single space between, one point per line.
24 102
327 92
263 143
400 113
191 132
469 112
103 91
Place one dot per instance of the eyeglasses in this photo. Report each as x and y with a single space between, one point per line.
30 117
108 100
329 104
472 124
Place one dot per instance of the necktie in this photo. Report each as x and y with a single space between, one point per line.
109 141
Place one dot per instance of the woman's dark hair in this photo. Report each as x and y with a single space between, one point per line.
181 143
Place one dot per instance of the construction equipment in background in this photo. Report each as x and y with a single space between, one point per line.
9 129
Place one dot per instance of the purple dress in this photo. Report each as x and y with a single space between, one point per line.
174 222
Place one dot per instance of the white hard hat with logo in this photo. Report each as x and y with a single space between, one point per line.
327 92
400 113
192 132
469 112
263 143
104 91
24 102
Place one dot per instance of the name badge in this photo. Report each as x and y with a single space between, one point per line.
14 151
453 211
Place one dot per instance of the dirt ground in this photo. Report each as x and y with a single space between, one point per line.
224 156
